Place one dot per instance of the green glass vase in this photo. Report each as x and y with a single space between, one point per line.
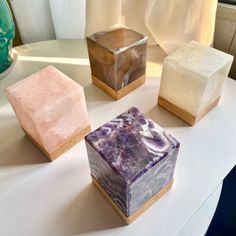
7 33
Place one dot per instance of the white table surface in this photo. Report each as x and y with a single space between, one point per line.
40 198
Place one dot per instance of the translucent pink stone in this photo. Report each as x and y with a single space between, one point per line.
49 106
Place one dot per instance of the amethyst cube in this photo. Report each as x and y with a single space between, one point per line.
132 159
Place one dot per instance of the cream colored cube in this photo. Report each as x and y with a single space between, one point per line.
192 80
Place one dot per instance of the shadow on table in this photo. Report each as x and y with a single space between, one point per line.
89 212
165 118
16 148
94 94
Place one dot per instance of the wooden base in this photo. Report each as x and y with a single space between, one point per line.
62 147
140 211
122 92
182 114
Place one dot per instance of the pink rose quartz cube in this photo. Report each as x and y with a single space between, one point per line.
51 109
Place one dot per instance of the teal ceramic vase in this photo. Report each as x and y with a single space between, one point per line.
7 33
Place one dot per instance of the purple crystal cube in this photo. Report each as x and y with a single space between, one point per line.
132 158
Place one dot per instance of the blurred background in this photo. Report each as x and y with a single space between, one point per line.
41 20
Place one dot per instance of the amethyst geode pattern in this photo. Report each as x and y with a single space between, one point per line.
132 158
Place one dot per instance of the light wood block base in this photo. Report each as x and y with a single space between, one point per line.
122 92
141 210
182 114
62 147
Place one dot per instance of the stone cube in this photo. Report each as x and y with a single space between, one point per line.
192 80
117 60
51 110
132 161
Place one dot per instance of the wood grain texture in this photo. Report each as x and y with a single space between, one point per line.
122 92
62 147
184 115
141 210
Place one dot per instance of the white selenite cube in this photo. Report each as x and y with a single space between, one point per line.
192 80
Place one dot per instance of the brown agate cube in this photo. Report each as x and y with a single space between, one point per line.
117 60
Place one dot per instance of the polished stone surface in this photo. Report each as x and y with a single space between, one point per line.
132 158
193 76
49 106
117 57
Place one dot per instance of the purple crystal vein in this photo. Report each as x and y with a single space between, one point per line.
132 158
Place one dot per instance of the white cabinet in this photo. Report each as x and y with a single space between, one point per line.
33 19
225 32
